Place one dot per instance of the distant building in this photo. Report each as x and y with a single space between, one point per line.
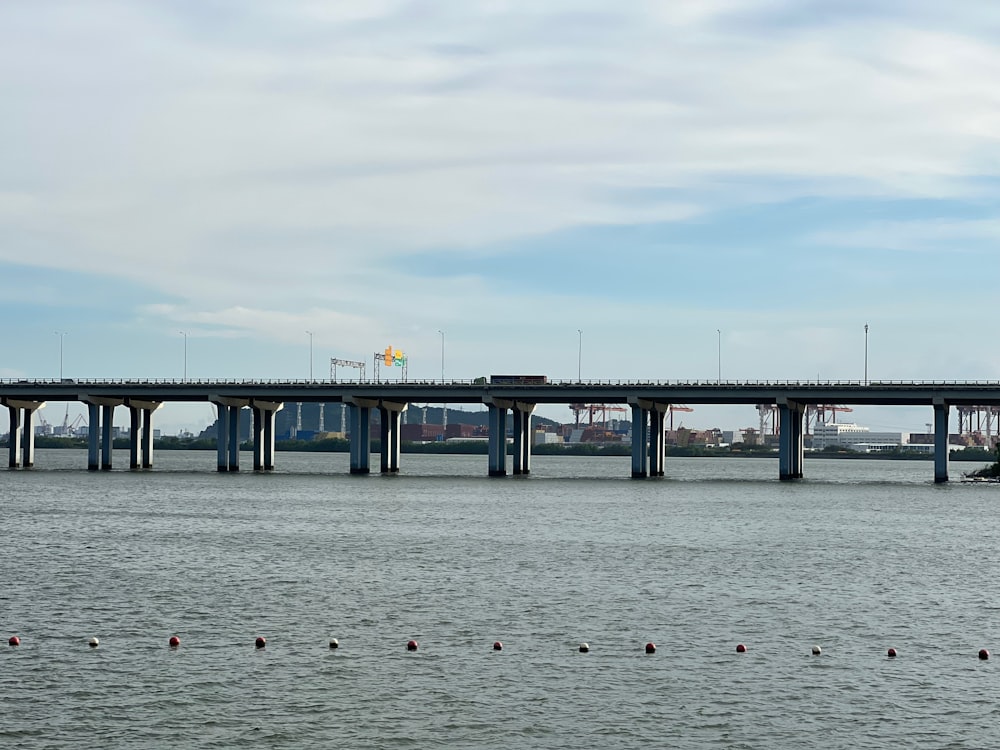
856 437
459 430
420 433
544 438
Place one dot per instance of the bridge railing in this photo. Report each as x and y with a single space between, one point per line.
683 383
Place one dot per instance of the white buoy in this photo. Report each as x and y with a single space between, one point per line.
94 643
334 643
817 651
584 647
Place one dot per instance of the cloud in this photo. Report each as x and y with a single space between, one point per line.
259 170
954 237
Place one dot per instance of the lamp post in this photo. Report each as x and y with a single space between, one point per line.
579 356
444 407
442 355
184 334
866 354
310 355
719 332
61 335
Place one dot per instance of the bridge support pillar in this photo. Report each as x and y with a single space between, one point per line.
390 413
21 450
522 437
107 435
790 443
99 430
93 437
359 419
640 438
227 435
141 432
221 437
648 441
657 441
263 433
497 408
941 418
14 439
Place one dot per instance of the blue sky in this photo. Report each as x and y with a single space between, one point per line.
651 173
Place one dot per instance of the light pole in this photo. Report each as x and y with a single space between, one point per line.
60 334
444 407
442 355
866 354
184 334
719 332
310 355
579 356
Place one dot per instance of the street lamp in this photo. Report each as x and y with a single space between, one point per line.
184 334
719 332
866 354
310 355
579 356
442 354
60 334
444 407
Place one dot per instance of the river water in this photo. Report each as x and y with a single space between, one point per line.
858 557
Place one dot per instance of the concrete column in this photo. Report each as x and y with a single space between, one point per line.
147 438
522 437
94 437
657 438
134 436
141 436
14 446
258 438
222 436
227 435
234 437
262 415
268 439
497 449
107 440
359 417
390 413
22 432
28 439
322 417
640 437
790 439
941 418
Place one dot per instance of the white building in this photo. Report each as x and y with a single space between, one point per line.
856 438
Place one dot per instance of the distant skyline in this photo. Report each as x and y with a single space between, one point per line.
698 186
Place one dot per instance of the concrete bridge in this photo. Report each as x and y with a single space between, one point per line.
649 402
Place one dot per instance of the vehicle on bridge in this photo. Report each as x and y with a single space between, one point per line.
519 379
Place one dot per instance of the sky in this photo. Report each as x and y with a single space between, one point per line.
651 190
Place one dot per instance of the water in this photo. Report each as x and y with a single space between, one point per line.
860 556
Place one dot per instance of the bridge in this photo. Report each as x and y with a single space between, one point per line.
649 402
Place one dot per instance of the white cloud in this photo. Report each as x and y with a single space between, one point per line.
214 152
920 236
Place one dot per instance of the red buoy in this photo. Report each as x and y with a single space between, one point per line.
260 642
13 641
891 653
650 648
411 645
740 648
174 641
984 654
497 646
